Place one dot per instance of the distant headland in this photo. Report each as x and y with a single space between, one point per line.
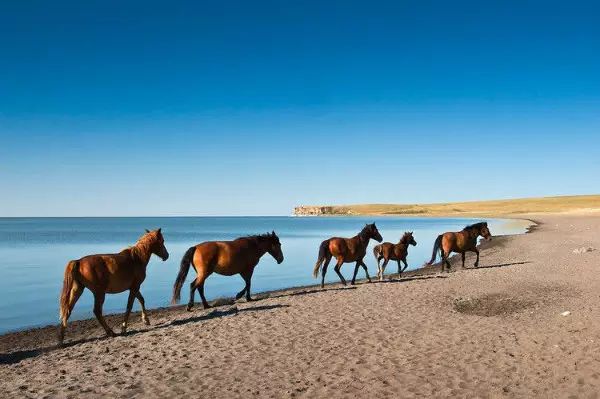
508 207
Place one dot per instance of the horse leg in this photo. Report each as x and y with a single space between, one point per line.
190 304
246 290
355 272
98 302
327 260
128 310
198 284
399 266
248 279
445 259
74 295
142 302
405 264
339 264
362 263
378 269
243 291
463 259
385 262
201 292
477 260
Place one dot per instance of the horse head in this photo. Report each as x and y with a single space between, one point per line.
157 244
408 239
275 247
485 232
372 232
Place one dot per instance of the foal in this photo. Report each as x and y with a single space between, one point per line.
398 252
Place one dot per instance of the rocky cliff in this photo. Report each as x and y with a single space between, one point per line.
320 210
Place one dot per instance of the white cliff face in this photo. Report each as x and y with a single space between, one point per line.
319 211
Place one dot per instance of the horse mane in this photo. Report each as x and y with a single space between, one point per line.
475 226
363 233
258 237
141 248
405 237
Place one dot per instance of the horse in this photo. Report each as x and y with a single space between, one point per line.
227 258
398 252
346 250
460 242
110 273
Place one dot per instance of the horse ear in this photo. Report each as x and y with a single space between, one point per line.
159 229
147 231
273 233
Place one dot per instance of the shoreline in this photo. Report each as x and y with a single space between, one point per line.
69 239
114 319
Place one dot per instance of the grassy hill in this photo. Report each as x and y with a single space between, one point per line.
513 207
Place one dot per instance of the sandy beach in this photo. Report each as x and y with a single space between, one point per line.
524 324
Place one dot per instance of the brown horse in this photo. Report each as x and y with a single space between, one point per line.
227 258
398 252
111 274
460 242
346 250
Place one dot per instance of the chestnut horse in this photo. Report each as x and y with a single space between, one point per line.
460 242
227 258
398 252
346 250
110 274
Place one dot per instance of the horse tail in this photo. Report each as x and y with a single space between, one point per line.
65 296
184 267
323 254
377 252
436 248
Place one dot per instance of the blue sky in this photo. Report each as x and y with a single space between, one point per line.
250 108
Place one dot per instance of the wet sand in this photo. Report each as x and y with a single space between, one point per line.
495 331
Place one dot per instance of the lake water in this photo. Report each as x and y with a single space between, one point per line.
34 252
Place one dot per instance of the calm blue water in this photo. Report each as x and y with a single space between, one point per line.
34 252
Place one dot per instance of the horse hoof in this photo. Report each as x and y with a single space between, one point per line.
189 308
111 334
147 322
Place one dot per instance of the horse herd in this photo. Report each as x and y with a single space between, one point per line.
126 270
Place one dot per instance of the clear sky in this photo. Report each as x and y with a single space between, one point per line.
252 107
